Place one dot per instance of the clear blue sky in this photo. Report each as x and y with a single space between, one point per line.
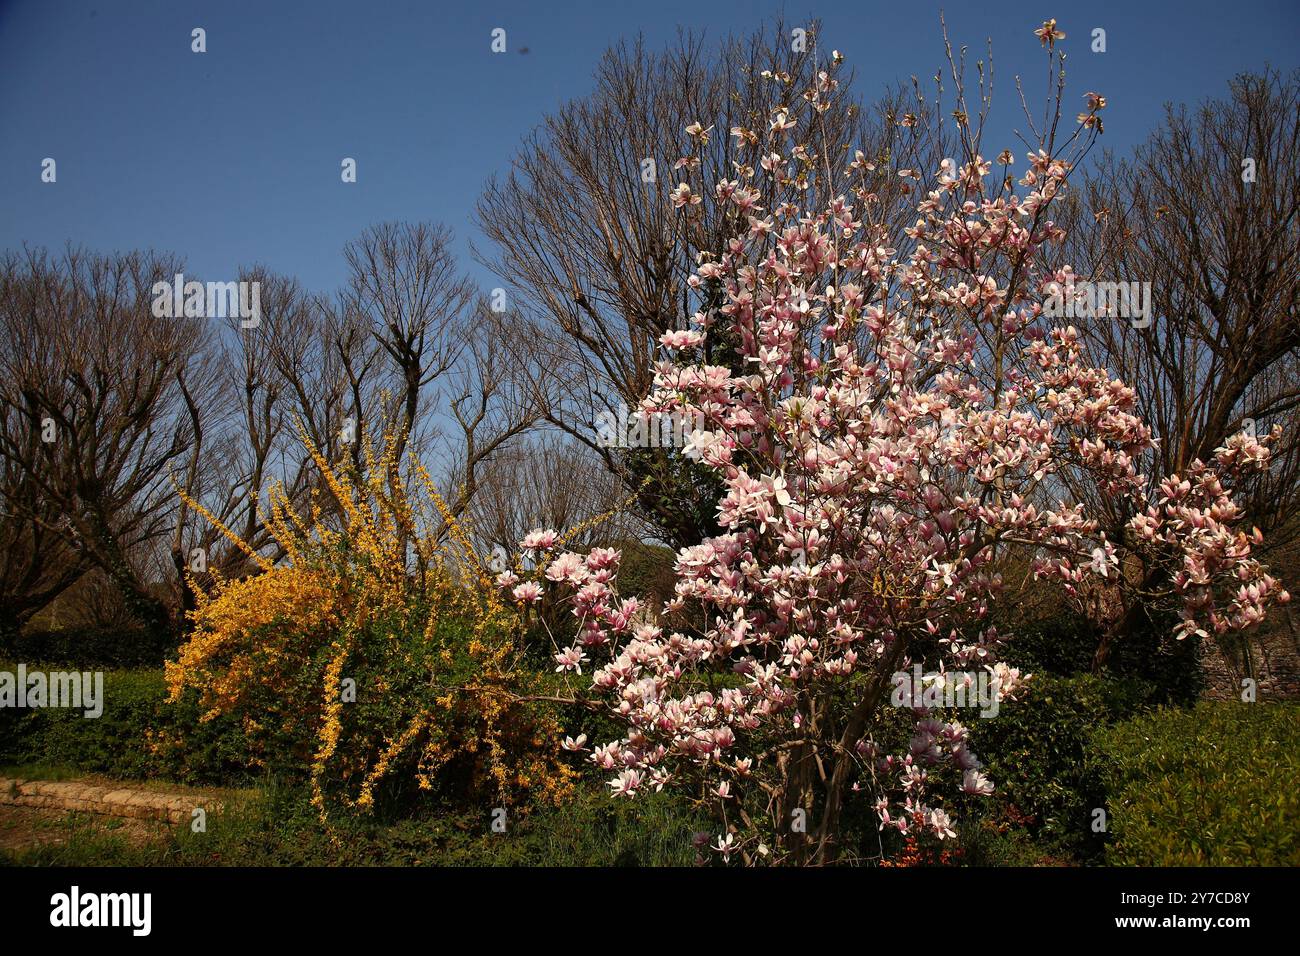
232 157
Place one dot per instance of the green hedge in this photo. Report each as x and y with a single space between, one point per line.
1061 645
1214 785
1211 786
1036 748
88 647
124 740
1064 644
646 571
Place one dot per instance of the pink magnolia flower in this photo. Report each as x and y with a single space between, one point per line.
539 540
681 339
626 783
570 659
1049 34
974 782
939 822
698 133
725 846
682 196
871 475
530 592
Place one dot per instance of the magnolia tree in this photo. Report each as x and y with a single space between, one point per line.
885 422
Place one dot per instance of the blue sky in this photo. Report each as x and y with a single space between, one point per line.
232 157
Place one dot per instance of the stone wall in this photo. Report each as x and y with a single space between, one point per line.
1271 655
113 800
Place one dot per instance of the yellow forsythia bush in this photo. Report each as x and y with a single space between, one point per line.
376 650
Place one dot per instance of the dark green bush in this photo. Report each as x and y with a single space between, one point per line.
1151 653
1035 751
646 571
1064 645
1211 786
129 739
988 841
114 742
88 647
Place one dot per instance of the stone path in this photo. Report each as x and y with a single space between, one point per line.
110 799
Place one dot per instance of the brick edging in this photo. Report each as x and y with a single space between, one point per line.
110 800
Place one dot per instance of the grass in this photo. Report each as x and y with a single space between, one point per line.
41 771
56 772
277 827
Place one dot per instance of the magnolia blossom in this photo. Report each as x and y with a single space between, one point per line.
539 540
939 822
1049 34
974 782
725 845
626 783
570 659
682 196
871 472
530 592
697 132
681 339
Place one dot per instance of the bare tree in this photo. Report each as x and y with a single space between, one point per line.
490 403
276 383
406 288
1208 212
102 381
37 564
587 235
550 481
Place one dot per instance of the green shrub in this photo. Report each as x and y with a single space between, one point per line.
1151 653
1211 786
1064 644
129 739
988 841
646 571
88 647
1061 645
113 743
1035 751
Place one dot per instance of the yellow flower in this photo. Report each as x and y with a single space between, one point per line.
344 596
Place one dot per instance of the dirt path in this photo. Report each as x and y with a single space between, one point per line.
27 828
36 813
